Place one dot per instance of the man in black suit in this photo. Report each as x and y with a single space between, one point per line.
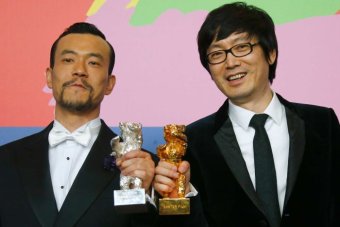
238 47
57 177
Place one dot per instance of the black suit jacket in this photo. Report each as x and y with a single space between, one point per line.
26 194
219 172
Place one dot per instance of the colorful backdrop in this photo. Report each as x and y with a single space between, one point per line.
159 76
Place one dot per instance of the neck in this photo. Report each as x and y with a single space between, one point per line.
259 104
73 120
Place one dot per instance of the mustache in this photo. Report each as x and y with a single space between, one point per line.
84 83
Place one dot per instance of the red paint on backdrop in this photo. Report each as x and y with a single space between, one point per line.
28 29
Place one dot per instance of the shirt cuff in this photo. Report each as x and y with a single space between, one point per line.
151 199
193 192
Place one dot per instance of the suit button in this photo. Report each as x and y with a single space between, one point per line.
286 215
263 223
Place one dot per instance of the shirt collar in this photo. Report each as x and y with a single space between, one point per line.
94 126
243 116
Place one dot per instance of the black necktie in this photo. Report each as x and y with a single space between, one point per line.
265 175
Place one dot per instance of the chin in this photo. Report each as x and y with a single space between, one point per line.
76 105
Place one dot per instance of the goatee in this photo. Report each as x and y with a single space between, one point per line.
77 106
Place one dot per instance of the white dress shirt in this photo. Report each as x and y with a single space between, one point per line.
66 159
277 130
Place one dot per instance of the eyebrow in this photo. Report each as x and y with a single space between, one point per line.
97 55
236 40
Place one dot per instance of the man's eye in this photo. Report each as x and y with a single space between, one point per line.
94 63
241 47
216 54
67 60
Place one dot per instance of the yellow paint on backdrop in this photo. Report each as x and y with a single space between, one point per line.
96 5
132 4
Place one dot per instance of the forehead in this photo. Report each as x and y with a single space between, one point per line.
83 44
233 39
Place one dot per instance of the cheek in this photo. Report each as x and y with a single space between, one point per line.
216 71
54 81
263 71
220 84
100 86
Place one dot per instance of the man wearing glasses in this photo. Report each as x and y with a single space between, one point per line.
260 160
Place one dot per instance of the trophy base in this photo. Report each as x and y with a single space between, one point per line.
174 206
130 201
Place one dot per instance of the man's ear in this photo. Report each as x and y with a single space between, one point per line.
111 84
272 57
48 74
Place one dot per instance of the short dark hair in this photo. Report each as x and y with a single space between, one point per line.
238 17
83 28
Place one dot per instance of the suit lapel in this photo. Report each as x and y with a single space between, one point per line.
33 166
226 141
91 180
296 129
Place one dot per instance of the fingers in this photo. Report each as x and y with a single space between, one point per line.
131 155
128 167
183 167
163 184
125 160
136 154
138 164
166 175
166 169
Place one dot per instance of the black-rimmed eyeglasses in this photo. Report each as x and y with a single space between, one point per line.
239 50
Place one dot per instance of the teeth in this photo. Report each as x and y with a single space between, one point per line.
237 76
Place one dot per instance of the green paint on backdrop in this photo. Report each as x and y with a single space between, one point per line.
282 11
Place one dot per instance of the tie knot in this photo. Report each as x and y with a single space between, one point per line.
258 121
58 136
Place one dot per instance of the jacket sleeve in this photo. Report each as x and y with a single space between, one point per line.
335 140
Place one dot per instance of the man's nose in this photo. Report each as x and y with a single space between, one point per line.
80 69
232 61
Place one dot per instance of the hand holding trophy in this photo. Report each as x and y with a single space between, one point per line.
172 152
131 198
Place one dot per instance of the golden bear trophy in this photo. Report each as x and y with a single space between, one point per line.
172 152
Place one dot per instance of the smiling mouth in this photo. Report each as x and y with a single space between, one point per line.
236 76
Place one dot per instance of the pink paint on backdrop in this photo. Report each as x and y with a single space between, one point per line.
308 68
28 30
160 79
